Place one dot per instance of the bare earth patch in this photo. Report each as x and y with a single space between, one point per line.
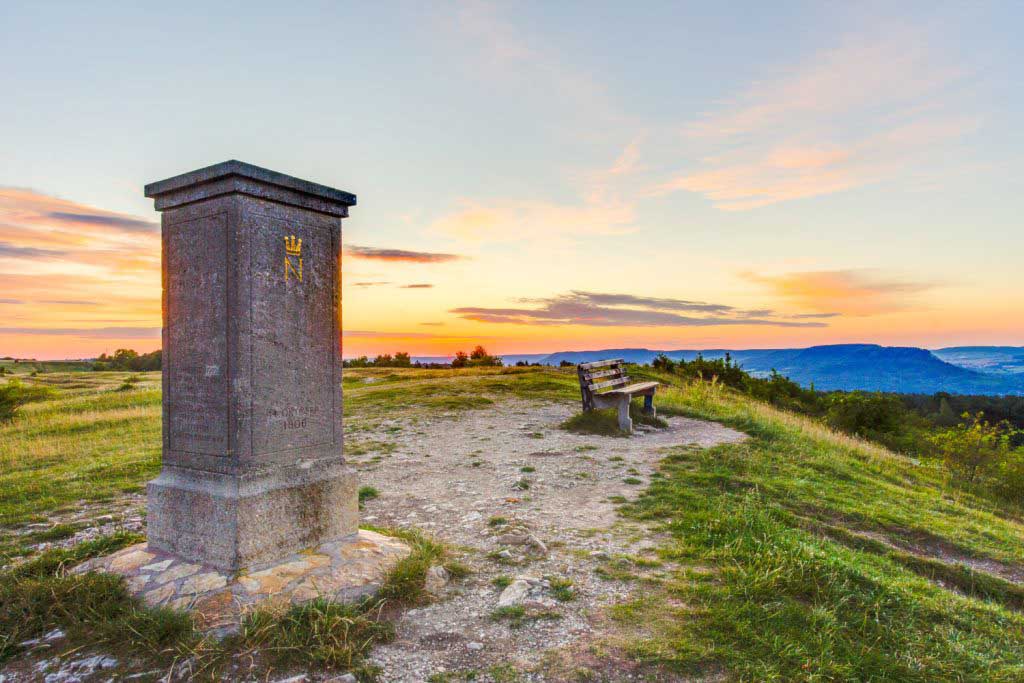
496 482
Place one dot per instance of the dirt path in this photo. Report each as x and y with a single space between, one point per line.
458 478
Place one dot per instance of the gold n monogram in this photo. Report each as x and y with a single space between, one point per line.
292 258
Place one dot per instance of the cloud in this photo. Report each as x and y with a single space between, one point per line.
110 220
417 286
378 254
11 301
31 209
13 251
613 310
369 284
386 335
88 333
849 292
857 113
433 324
70 302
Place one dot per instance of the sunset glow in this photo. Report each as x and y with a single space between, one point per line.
848 176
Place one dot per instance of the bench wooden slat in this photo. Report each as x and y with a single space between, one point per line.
600 363
635 388
601 373
610 383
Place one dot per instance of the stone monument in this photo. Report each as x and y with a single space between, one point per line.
254 502
252 442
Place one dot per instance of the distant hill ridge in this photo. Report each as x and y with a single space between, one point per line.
869 367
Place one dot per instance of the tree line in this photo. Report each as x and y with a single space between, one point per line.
978 439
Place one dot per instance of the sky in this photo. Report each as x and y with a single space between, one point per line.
535 177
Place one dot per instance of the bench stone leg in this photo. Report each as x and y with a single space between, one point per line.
649 408
625 424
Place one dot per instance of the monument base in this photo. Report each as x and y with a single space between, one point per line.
345 569
232 522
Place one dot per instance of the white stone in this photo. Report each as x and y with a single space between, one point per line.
514 593
436 579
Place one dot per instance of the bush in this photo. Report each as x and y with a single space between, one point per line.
975 447
11 399
869 415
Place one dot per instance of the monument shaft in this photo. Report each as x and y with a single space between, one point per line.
252 436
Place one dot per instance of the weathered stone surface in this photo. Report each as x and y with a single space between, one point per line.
219 598
175 572
129 560
201 583
157 566
158 596
252 453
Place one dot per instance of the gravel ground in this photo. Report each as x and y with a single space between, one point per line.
528 507
453 477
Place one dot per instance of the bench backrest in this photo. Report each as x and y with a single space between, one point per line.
599 377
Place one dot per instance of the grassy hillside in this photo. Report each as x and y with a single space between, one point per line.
799 554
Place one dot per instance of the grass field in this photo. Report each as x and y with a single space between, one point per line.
802 554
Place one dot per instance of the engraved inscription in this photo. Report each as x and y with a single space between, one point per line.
196 371
293 338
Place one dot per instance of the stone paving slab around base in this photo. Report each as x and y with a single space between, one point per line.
345 569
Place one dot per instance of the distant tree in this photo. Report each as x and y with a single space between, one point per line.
566 364
360 362
129 359
480 358
461 360
402 360
384 360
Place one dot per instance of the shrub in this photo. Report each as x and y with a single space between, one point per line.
869 415
11 399
974 447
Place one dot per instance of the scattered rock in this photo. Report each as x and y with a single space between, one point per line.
437 578
344 678
475 646
514 539
514 593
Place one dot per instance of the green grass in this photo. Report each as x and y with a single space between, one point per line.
367 493
96 609
799 554
791 585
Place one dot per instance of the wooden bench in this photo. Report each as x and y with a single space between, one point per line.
605 384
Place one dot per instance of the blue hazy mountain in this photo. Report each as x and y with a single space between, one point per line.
843 366
1000 360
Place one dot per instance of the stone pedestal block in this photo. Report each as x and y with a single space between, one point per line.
252 440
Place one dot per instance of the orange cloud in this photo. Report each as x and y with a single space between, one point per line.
851 292
862 112
379 254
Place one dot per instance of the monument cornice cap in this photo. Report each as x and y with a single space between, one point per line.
238 176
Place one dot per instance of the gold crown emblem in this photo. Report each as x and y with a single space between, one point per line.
292 246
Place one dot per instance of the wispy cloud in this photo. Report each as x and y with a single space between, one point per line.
380 254
370 284
88 332
8 249
105 219
614 310
597 209
14 302
858 113
419 285
850 292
